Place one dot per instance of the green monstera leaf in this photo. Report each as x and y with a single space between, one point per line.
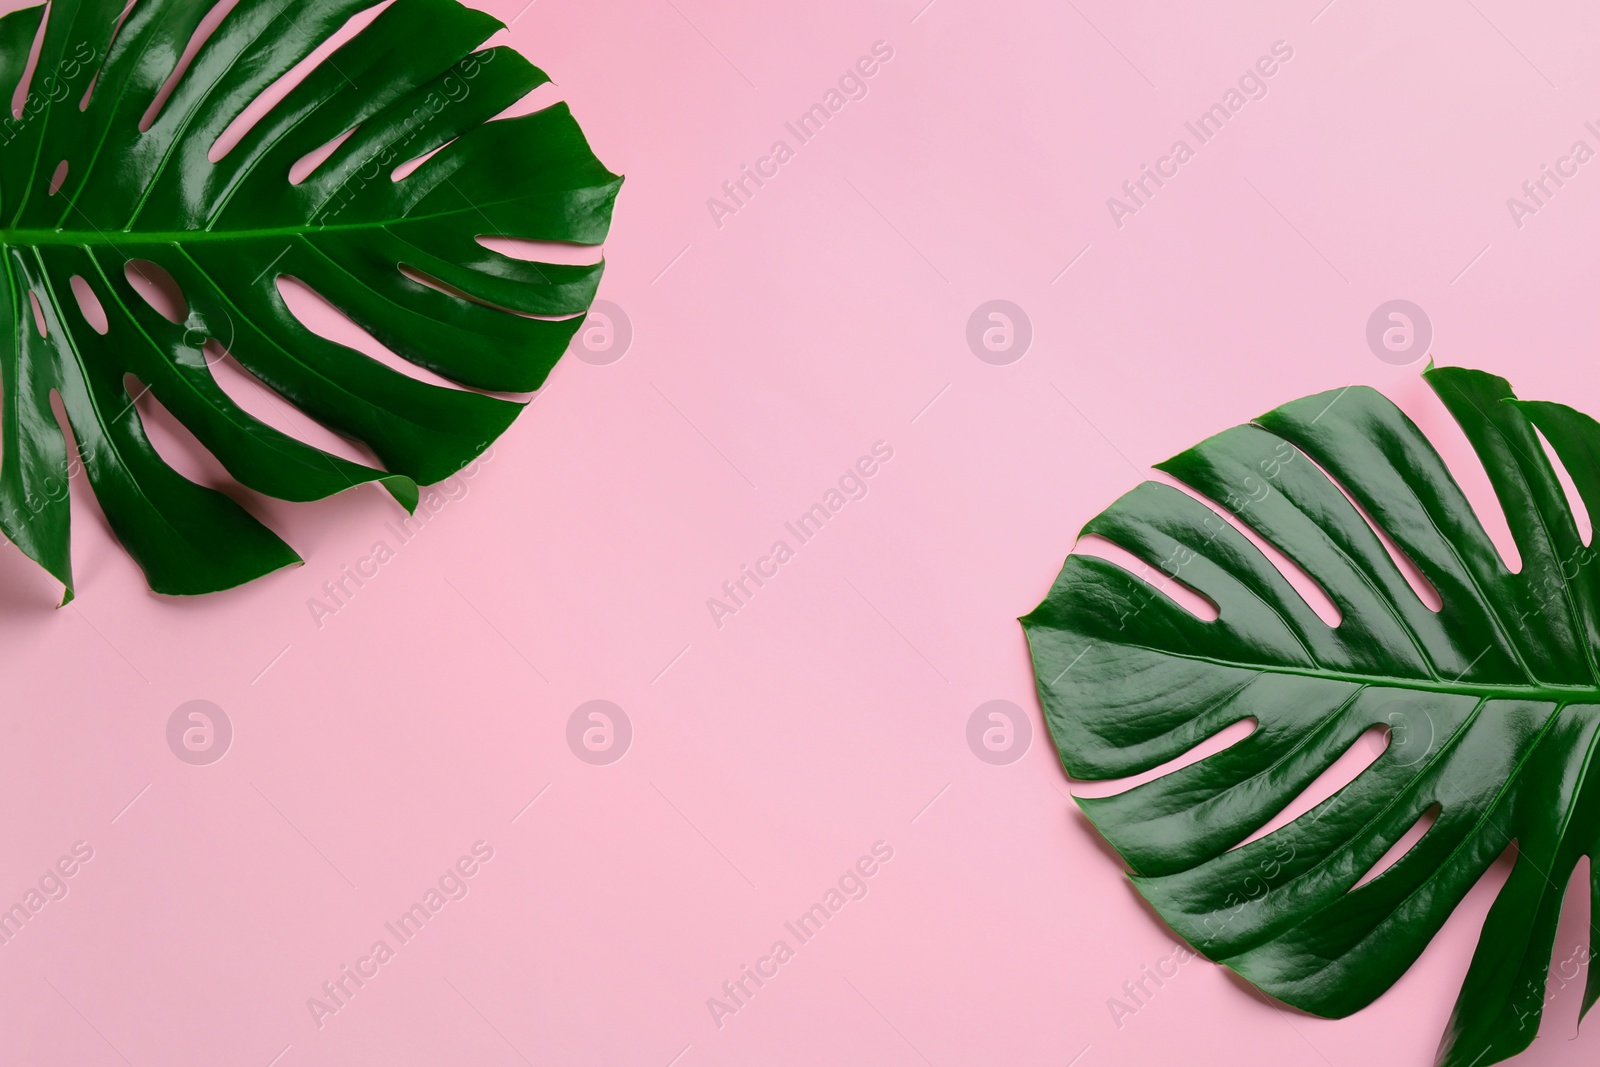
88 186
1492 702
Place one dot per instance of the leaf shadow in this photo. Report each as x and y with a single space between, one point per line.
1098 840
24 585
1244 984
1106 848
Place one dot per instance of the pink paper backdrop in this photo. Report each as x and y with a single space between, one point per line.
772 346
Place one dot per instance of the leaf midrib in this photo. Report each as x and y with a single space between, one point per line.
35 238
1554 692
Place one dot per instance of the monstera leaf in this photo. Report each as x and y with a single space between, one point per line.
89 185
1492 703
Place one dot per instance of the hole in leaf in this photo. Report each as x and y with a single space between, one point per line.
306 164
185 453
542 96
88 92
38 314
177 446
1580 513
273 94
85 505
319 315
1431 416
1403 563
262 402
409 167
1406 843
449 290
1298 577
1226 737
94 313
1570 957
1186 597
1425 590
21 105
202 34
542 251
1362 753
158 288
1450 951
58 177
1310 590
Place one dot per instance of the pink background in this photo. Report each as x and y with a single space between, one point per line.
830 713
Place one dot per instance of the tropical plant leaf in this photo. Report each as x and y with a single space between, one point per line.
84 191
1492 703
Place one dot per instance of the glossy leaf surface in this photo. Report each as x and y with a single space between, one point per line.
1491 704
84 191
